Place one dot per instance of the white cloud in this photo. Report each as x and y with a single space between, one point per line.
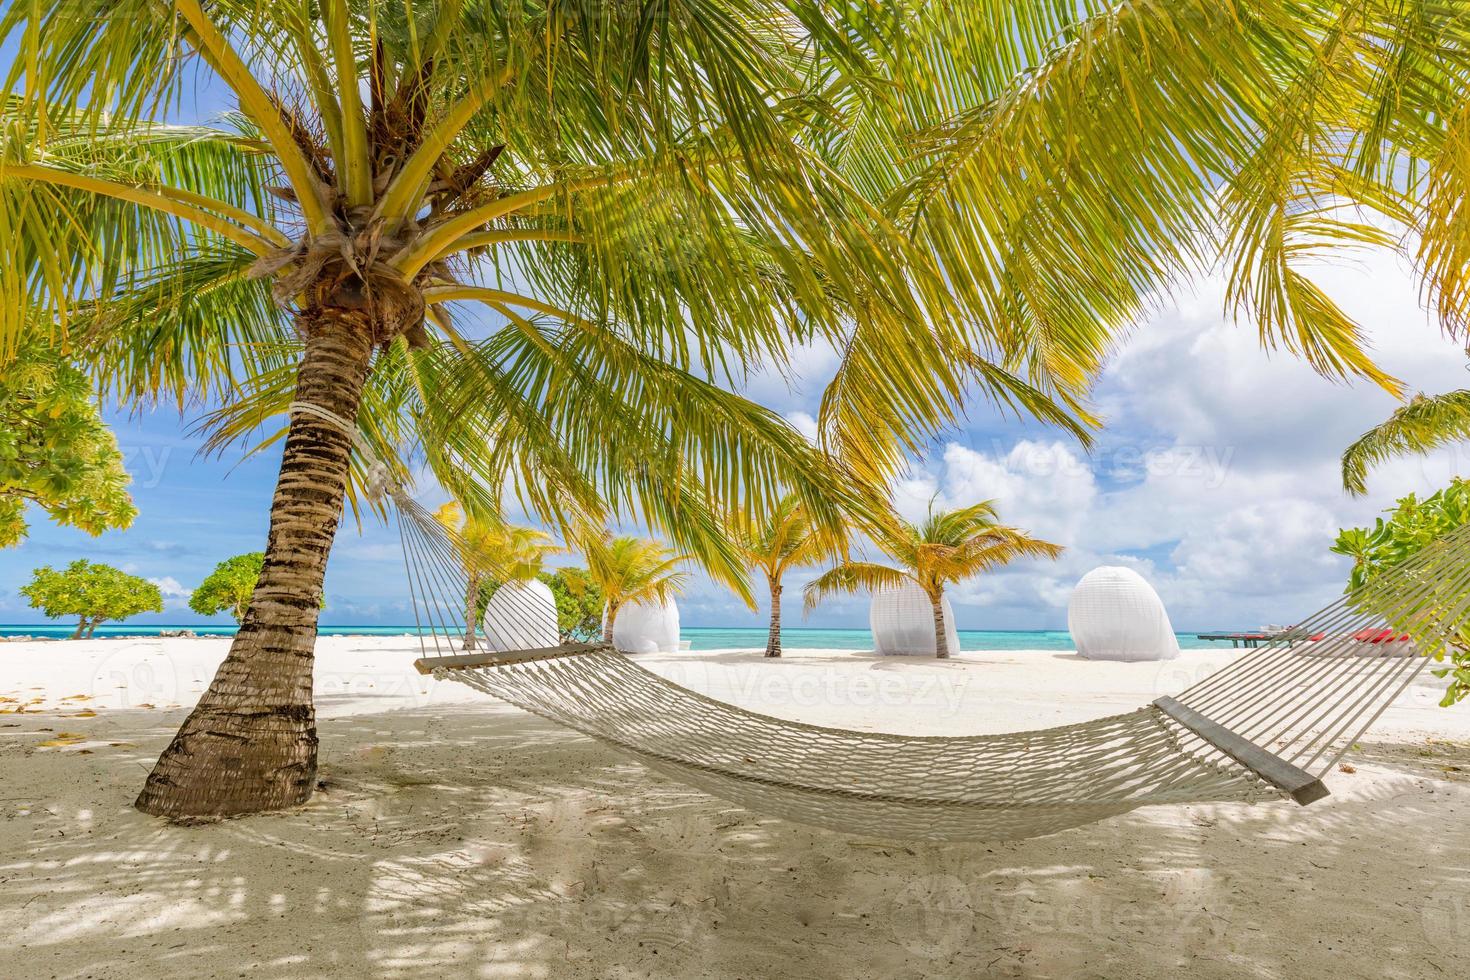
805 423
1217 477
175 596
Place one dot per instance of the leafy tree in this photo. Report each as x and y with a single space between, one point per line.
492 553
1411 525
93 592
229 586
948 546
629 570
55 451
785 538
579 604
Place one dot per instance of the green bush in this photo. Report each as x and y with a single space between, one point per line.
1411 524
94 593
579 604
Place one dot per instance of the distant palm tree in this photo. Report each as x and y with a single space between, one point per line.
786 538
630 570
1424 423
947 547
492 554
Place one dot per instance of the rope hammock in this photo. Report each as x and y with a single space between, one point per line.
1267 727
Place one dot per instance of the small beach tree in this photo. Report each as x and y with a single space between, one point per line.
786 538
948 546
579 604
492 553
228 588
93 592
627 570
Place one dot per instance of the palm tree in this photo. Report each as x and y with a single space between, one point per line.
629 570
948 546
783 539
492 553
532 242
1422 424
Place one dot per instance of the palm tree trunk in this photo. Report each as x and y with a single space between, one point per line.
773 638
607 623
81 629
250 744
941 635
471 602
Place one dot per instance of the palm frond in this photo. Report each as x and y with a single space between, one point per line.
1424 424
852 576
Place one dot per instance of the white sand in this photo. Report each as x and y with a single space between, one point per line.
459 837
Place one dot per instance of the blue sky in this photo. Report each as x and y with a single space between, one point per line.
1215 478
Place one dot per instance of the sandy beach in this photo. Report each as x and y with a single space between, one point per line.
456 836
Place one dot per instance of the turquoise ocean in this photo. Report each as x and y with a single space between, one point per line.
702 637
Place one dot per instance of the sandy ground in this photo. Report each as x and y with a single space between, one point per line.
459 837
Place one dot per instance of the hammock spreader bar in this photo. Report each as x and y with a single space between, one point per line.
1296 783
470 661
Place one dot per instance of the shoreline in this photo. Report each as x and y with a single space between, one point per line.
704 639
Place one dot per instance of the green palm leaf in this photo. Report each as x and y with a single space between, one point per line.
1425 423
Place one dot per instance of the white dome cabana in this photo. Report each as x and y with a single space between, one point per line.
521 616
902 621
1114 614
647 628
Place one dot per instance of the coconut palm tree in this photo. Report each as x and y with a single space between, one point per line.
492 553
948 546
1423 424
781 540
533 243
629 570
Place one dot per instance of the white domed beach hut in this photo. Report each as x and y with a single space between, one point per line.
647 627
902 621
1114 614
521 616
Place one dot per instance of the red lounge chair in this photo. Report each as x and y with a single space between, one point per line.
1379 636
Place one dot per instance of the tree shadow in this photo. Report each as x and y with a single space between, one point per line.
477 841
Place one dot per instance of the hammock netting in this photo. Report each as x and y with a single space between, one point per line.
1266 727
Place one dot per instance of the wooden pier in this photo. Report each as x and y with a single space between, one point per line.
1252 639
